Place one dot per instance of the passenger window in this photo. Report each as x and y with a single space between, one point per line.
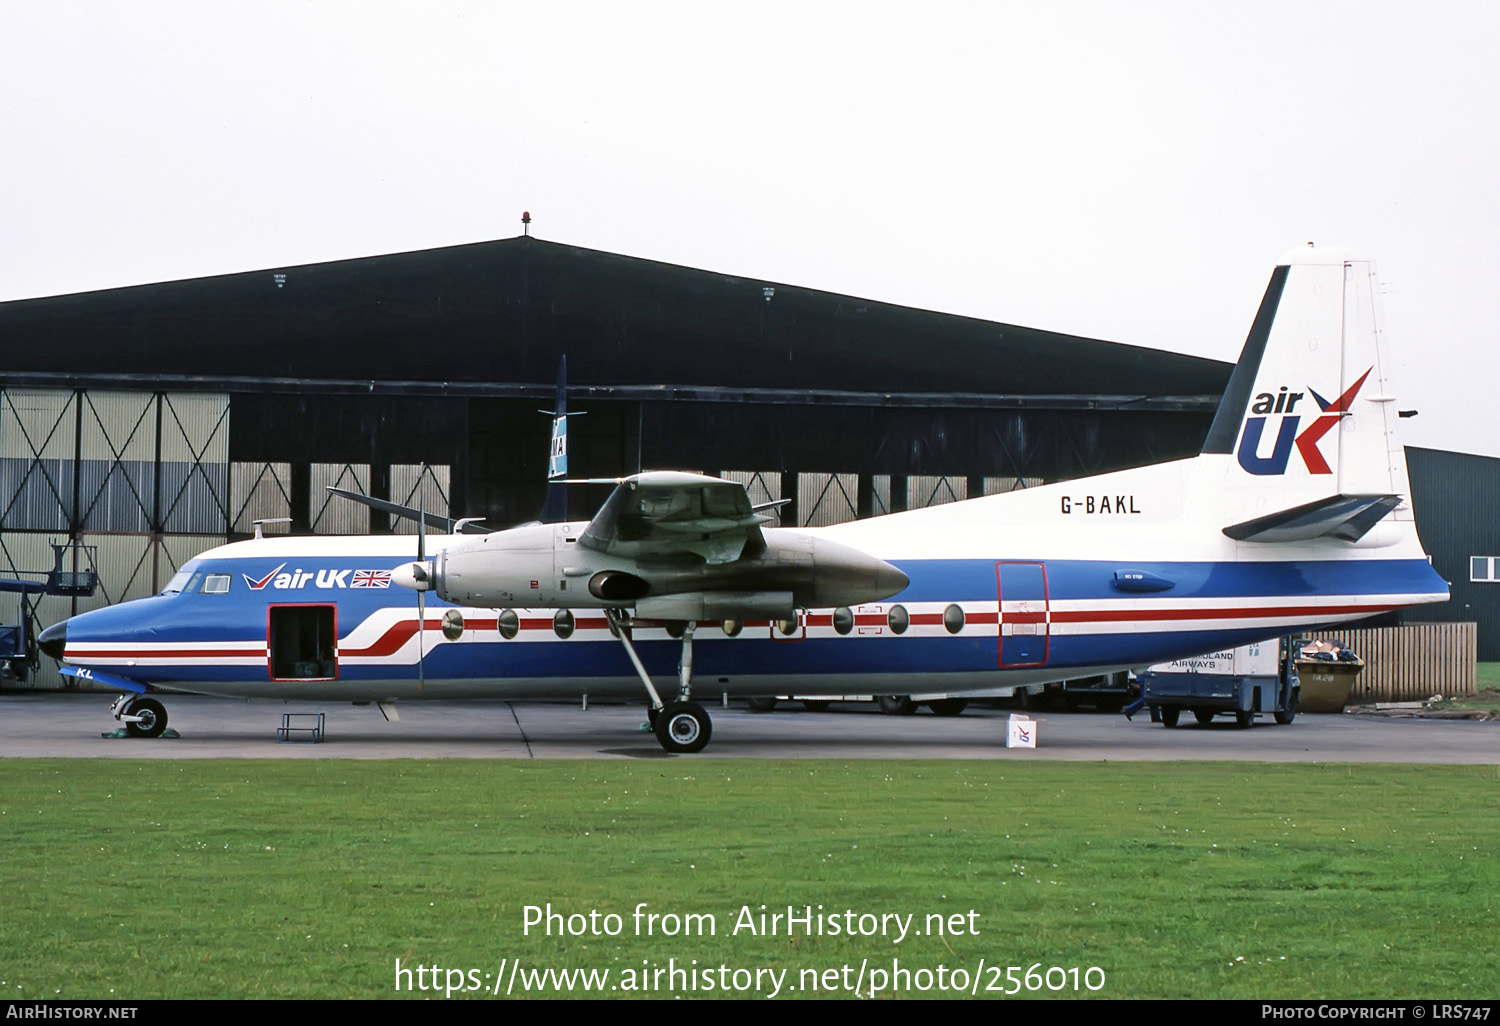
953 619
508 623
898 619
216 584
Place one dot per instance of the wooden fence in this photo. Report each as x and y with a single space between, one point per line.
1407 664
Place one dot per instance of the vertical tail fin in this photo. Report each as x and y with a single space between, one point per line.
1308 414
555 508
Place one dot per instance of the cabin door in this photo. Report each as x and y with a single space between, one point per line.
1025 619
302 642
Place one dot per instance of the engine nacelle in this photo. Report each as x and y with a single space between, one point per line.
618 586
718 605
542 565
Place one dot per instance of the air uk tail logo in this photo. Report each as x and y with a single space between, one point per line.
557 461
1283 404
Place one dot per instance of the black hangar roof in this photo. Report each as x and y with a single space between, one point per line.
493 317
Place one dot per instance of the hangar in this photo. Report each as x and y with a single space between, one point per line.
143 425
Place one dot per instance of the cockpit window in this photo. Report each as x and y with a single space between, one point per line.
216 584
182 580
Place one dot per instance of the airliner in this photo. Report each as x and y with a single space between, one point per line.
1294 516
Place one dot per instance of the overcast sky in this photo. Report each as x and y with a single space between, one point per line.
1127 171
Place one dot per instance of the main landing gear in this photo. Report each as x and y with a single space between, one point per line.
681 725
143 717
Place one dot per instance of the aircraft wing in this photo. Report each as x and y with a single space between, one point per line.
446 525
1348 517
670 516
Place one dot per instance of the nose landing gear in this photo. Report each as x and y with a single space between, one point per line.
143 717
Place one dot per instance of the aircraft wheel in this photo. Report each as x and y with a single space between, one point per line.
683 727
815 704
1169 714
760 705
1203 716
948 706
1243 718
1290 713
652 713
153 718
897 705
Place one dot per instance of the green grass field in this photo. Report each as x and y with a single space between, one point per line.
311 878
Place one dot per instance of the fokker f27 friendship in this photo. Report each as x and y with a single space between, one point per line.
1293 516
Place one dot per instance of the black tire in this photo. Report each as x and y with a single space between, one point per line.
1169 714
897 705
1290 714
816 704
760 705
652 713
1243 718
683 727
153 718
948 706
1203 716
1030 700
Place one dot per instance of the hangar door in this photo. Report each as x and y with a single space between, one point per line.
1025 620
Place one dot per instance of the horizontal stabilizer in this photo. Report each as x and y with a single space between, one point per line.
1348 517
444 524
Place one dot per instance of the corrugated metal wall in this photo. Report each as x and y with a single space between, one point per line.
134 482
193 463
38 459
924 490
760 485
260 491
1455 495
823 499
423 487
334 514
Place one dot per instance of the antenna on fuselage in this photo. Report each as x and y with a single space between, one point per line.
259 535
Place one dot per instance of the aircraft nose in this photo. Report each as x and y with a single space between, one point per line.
52 640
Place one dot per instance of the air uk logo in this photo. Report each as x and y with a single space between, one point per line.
256 584
326 578
1283 404
557 461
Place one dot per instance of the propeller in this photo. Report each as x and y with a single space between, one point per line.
418 577
424 581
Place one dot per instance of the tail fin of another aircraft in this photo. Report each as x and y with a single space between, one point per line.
555 508
1308 415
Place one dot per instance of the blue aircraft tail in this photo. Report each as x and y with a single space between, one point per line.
555 508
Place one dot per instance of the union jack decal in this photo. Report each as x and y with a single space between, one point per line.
371 579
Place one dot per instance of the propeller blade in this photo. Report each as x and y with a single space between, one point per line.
422 578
